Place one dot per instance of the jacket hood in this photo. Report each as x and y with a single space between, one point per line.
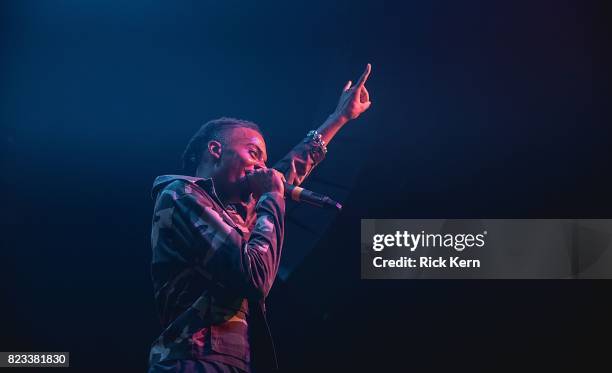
162 181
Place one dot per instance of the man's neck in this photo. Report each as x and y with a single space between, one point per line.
203 173
220 190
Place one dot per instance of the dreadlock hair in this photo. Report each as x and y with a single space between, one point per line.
215 129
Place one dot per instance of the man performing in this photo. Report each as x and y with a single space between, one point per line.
217 238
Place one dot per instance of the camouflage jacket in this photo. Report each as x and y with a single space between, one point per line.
212 269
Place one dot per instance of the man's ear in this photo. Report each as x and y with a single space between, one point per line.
215 149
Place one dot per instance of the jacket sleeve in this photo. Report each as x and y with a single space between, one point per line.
193 232
299 162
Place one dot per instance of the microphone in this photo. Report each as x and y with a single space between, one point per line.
299 194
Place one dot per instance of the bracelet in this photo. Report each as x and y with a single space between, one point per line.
317 140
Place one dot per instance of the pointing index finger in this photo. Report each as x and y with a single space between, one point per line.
365 75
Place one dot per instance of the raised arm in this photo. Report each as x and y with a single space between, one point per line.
354 100
299 162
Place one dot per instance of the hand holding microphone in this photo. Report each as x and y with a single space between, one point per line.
264 180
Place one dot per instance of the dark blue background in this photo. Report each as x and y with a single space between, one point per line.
480 109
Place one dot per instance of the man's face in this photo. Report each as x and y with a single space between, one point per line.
244 151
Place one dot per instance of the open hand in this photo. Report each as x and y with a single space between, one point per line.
354 99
